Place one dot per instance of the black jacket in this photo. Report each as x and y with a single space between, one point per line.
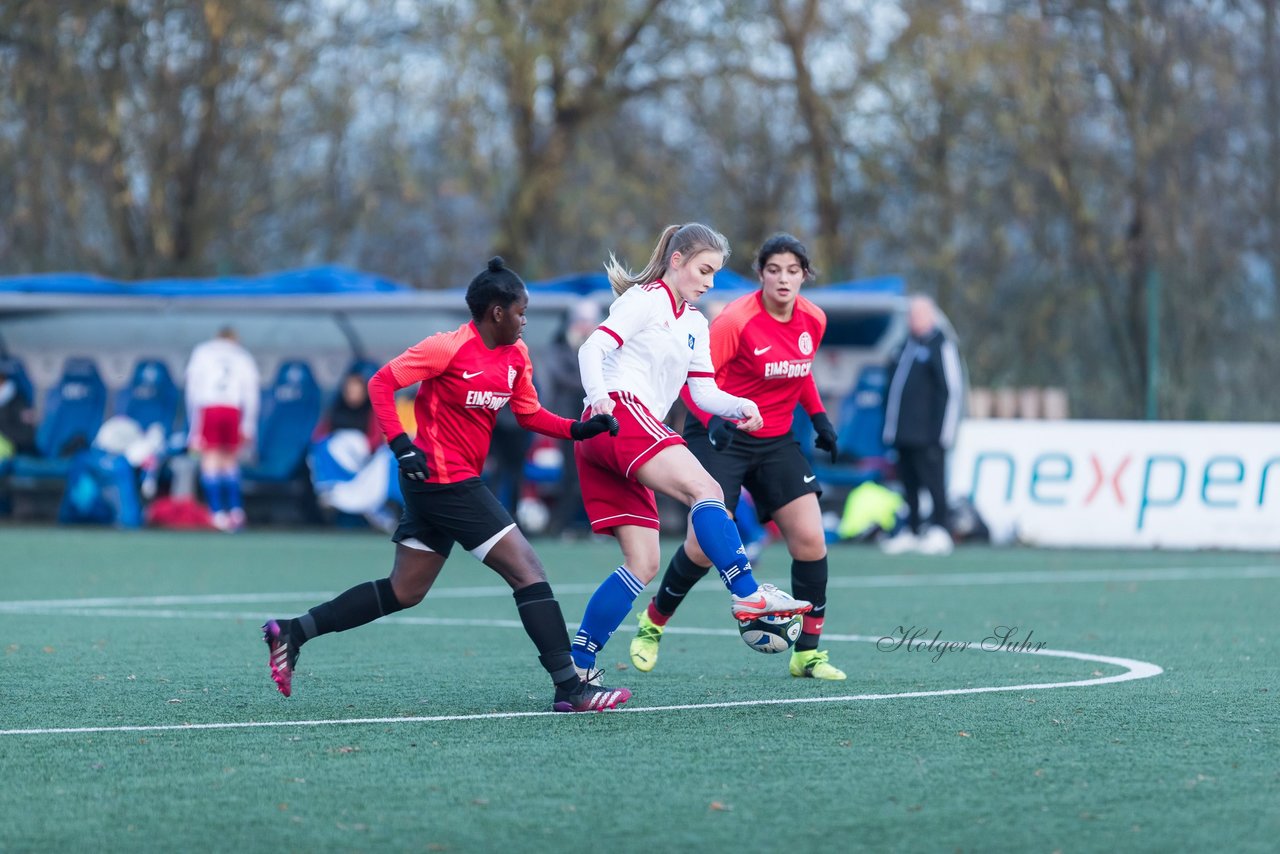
922 404
561 379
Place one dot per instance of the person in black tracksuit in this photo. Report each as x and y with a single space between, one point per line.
922 412
563 392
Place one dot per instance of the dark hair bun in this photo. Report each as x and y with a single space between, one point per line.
496 263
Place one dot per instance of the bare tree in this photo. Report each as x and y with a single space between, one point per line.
562 65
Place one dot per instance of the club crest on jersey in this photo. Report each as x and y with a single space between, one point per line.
511 377
806 343
690 342
487 400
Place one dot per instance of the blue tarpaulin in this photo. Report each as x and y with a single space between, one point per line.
309 282
726 281
317 281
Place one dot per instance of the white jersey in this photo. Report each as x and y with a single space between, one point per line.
222 373
651 348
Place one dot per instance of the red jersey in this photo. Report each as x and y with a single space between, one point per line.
765 360
464 384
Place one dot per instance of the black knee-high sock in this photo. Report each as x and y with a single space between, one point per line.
809 582
362 604
543 621
682 573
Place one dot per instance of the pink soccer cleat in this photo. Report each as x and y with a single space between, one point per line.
283 655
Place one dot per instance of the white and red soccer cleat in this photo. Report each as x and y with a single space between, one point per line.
768 601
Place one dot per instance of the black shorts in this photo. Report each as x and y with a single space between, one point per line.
774 470
437 515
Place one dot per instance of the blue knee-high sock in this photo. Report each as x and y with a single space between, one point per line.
231 487
719 539
608 607
212 484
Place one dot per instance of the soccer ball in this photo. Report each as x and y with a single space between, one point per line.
770 634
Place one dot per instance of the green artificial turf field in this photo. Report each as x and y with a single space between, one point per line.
138 713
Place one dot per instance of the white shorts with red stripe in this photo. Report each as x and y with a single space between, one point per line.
607 467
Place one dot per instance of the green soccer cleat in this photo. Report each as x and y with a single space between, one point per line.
813 663
644 646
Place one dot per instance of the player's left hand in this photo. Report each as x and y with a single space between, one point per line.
593 426
720 431
825 434
752 420
411 459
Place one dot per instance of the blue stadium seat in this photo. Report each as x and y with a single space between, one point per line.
73 412
11 366
73 408
290 411
860 425
151 397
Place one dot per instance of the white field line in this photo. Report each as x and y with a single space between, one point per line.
1061 576
186 599
965 579
1133 670
252 616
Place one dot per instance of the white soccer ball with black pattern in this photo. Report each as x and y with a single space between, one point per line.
770 634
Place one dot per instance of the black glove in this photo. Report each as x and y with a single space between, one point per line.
825 438
413 463
721 431
593 426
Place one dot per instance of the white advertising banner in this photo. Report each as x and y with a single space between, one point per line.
1123 483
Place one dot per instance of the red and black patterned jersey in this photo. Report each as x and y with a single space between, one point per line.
766 360
464 384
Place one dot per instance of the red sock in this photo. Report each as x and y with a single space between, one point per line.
812 625
658 618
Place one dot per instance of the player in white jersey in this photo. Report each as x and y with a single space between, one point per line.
222 391
633 366
665 347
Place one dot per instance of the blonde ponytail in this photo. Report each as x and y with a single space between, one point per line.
687 239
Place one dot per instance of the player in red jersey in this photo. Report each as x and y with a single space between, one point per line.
762 345
466 376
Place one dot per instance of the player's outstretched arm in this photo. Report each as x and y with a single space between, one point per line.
531 416
594 426
752 420
591 366
710 398
550 424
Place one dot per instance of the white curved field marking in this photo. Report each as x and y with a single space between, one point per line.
941 579
1134 669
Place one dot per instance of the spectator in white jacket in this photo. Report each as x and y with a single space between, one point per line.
222 404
